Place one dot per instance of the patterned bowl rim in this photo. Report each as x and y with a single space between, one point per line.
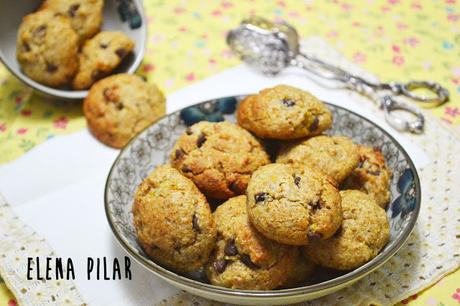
325 286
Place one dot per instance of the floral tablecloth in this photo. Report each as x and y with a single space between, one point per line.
394 39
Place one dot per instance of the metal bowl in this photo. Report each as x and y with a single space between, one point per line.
11 15
151 148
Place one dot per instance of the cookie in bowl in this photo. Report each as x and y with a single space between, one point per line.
99 56
334 156
372 175
364 232
85 15
120 106
218 157
47 48
293 205
243 258
173 221
284 112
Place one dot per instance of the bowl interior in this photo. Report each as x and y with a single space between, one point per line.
11 17
152 146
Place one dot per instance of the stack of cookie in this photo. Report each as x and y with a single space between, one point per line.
59 45
319 201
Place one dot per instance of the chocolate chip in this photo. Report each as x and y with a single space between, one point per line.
195 224
288 102
234 187
178 154
189 131
186 169
220 265
337 232
120 52
297 181
120 106
315 205
109 94
314 236
97 74
201 140
73 9
260 197
51 68
360 164
103 46
144 78
230 248
314 125
26 47
40 31
376 172
248 262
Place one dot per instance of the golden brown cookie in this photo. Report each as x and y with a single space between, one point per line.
173 221
284 112
364 232
372 175
85 15
218 157
120 106
335 156
99 56
301 273
243 258
293 205
47 48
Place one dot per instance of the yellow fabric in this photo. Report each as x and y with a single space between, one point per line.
394 39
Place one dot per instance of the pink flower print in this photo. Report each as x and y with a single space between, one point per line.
2 127
411 41
190 77
216 13
450 1
416 5
332 34
359 57
456 71
456 295
18 100
60 123
452 111
148 67
26 112
179 10
396 48
453 17
12 303
212 61
398 60
355 24
401 26
281 3
227 4
346 6
182 29
385 9
393 2
21 131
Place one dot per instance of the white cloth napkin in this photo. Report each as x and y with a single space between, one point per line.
57 188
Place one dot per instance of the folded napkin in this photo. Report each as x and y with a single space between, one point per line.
57 189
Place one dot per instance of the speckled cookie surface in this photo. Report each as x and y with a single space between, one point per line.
47 48
173 221
364 232
99 56
293 205
372 175
334 156
284 112
85 15
243 258
120 106
218 157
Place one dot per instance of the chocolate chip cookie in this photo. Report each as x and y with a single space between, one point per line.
335 156
47 48
243 258
120 106
372 175
284 112
364 232
293 205
99 56
218 157
173 221
85 15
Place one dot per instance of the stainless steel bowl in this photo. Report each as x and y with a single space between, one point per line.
11 14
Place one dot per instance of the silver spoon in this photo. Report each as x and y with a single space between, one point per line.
271 47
